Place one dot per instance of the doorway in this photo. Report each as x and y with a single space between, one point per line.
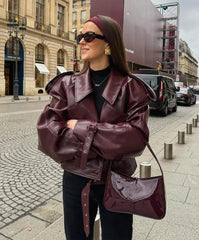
13 52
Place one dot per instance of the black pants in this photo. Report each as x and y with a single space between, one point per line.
115 226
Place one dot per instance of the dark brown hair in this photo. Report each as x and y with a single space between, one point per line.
113 36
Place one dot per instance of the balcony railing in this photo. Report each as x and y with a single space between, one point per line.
16 18
62 34
65 35
42 27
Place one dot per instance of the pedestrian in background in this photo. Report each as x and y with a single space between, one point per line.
96 115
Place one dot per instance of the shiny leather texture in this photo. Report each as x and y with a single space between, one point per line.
140 196
119 134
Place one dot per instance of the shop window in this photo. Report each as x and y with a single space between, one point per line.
39 58
60 58
39 54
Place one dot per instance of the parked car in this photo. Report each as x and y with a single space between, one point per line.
179 84
196 89
165 90
186 95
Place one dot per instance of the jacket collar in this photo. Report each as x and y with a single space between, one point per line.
83 86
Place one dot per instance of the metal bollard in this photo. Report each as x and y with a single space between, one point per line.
168 150
145 169
27 99
181 137
39 98
194 122
189 128
198 118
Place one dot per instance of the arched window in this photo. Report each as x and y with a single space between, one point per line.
60 62
40 68
60 58
39 54
12 47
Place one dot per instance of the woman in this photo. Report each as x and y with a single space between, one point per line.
95 116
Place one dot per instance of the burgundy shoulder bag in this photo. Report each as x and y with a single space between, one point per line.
140 196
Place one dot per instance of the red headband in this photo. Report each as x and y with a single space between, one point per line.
96 20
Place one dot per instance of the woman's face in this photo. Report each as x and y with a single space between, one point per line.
94 51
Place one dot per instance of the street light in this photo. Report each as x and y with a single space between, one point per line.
14 29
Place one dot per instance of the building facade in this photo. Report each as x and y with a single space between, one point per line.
80 13
46 50
49 47
188 65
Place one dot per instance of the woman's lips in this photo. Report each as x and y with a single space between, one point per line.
83 50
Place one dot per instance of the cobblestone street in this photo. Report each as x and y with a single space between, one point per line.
27 177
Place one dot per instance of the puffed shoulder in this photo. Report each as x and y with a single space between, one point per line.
56 79
148 89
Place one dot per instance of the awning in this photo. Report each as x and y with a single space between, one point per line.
61 69
42 68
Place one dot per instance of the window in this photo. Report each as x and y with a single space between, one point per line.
39 58
13 6
83 2
74 30
13 47
39 54
74 3
83 16
74 17
60 58
13 10
40 11
60 18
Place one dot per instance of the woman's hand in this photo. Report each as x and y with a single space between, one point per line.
71 123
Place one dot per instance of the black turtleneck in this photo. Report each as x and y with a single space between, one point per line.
99 80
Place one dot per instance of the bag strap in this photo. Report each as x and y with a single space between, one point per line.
152 152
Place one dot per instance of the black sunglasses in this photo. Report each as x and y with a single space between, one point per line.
88 37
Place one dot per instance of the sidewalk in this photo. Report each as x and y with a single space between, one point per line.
182 189
9 99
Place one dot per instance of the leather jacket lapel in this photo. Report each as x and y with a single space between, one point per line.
113 86
83 86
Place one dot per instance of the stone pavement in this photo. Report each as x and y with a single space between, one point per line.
182 188
9 99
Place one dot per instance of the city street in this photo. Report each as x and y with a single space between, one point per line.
28 178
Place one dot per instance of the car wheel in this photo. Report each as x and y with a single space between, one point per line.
189 102
165 110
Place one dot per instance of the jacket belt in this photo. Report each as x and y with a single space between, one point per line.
87 144
85 207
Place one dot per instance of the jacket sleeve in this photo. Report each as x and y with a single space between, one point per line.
112 141
54 138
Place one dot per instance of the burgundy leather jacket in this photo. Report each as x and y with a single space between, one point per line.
119 134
